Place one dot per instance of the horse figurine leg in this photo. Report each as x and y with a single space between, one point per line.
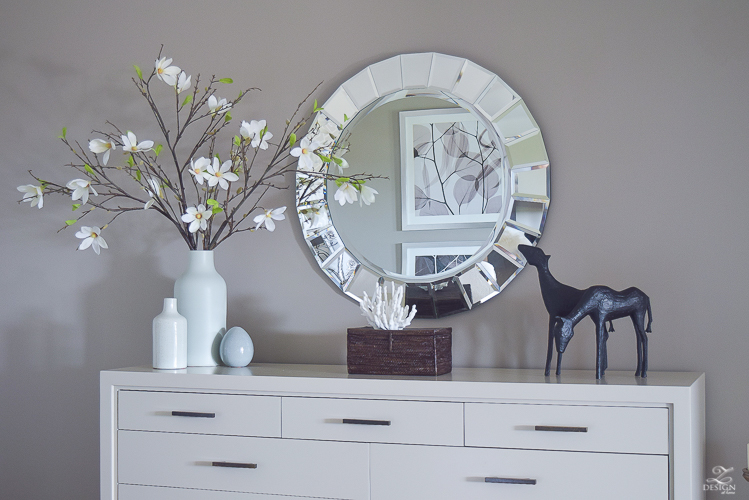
550 347
638 320
601 354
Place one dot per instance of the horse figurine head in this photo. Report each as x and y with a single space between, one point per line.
534 255
562 332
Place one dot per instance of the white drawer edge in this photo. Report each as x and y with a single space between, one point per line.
245 495
563 450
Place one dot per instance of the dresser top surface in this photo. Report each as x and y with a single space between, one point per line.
469 375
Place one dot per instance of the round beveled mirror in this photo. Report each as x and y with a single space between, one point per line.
464 179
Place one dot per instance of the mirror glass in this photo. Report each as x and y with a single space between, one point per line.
465 179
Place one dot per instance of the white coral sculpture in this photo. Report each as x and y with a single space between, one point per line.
387 312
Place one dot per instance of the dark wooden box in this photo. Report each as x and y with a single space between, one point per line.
414 351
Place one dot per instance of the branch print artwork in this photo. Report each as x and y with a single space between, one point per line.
452 172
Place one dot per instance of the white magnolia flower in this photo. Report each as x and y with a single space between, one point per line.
165 72
266 218
197 217
33 194
221 175
339 168
367 194
148 204
80 189
199 169
130 144
218 106
308 160
183 83
327 133
99 146
315 217
91 238
254 132
346 193
155 188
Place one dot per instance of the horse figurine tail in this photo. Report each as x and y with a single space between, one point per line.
648 329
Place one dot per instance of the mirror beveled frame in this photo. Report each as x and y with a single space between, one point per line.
504 113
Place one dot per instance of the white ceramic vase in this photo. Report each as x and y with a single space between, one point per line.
201 298
170 338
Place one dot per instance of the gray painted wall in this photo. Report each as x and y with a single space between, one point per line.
644 111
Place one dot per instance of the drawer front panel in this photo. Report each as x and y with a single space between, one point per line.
373 421
136 492
440 473
200 413
560 427
282 467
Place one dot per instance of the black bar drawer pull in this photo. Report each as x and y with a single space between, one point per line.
234 465
194 414
509 480
556 428
358 421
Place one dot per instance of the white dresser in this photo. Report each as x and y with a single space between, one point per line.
276 432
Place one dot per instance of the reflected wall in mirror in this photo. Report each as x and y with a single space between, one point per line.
465 180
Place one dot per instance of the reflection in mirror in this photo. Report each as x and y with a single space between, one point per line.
467 182
450 182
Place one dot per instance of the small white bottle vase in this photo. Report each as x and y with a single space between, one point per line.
170 338
201 298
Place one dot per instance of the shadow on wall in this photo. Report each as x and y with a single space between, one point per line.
49 384
273 345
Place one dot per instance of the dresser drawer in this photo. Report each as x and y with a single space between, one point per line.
373 421
244 464
567 427
200 413
137 492
401 472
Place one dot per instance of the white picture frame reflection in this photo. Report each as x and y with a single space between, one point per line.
430 258
451 171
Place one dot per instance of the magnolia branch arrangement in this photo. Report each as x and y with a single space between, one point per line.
207 192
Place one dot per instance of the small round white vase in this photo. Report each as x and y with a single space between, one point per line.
170 338
201 298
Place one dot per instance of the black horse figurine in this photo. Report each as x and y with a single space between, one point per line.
559 298
603 304
563 301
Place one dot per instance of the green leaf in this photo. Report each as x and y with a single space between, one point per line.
137 175
315 108
337 160
227 116
187 100
324 158
345 117
237 140
130 161
211 202
216 210
138 71
64 133
70 222
292 139
339 181
158 149
226 80
88 169
76 206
